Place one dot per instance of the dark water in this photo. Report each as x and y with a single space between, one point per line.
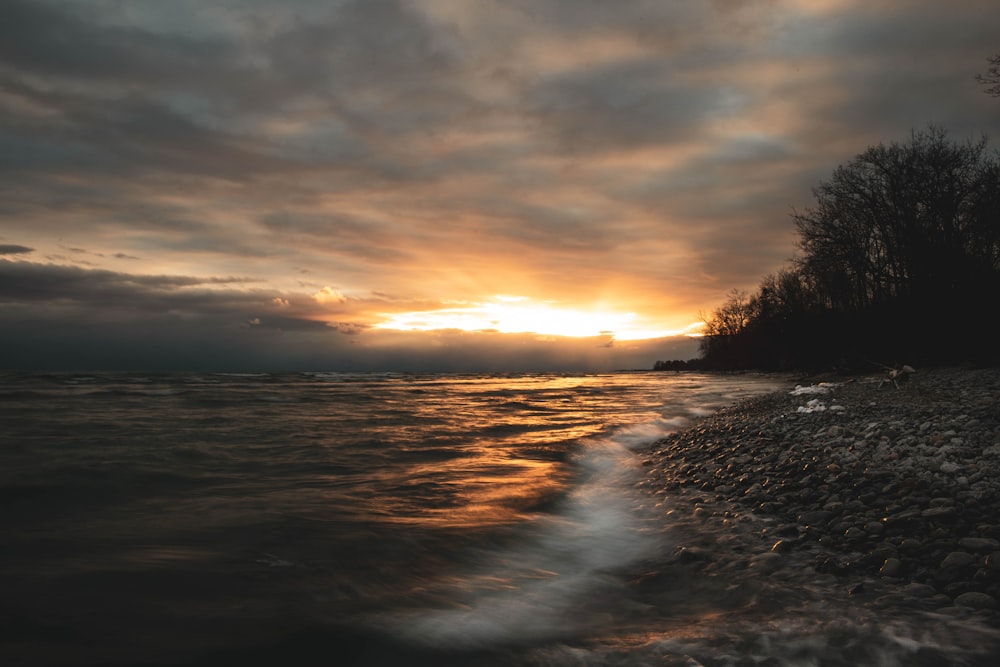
360 519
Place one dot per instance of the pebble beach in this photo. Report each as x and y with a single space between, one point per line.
888 495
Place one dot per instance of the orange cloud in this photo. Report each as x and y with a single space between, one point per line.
329 295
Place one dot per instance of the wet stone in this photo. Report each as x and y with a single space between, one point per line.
976 600
918 591
979 544
691 554
958 559
856 533
766 562
940 512
815 517
788 530
898 492
938 601
993 561
891 567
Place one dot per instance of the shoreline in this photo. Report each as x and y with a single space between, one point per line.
891 494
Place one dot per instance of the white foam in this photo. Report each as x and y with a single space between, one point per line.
816 405
642 434
821 388
545 586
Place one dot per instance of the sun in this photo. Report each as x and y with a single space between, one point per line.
521 315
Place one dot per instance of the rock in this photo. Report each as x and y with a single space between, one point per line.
976 600
766 561
790 530
918 591
891 567
855 534
900 482
692 554
938 601
993 562
940 512
781 546
979 544
815 517
958 559
884 550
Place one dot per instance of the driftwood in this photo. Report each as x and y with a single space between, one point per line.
897 376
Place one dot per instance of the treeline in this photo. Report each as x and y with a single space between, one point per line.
680 365
899 263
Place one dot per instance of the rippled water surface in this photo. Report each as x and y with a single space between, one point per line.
361 519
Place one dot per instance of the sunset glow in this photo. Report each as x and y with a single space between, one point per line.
506 314
349 185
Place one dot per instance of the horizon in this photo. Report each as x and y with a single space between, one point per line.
433 186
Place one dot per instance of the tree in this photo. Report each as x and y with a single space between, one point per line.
903 221
723 344
992 76
900 260
730 318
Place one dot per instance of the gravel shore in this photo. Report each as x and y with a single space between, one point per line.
892 493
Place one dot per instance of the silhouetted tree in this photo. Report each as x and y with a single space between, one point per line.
731 317
901 221
900 260
992 76
722 342
678 365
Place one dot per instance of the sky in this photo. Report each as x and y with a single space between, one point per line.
452 185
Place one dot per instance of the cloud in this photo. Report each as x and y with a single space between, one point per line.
347 328
11 249
621 107
70 317
643 155
25 281
329 295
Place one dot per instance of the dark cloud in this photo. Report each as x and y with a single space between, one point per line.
624 106
361 44
62 276
170 101
133 133
52 39
70 318
370 238
644 153
114 296
25 282
11 249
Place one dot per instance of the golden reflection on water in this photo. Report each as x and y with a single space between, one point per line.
466 452
491 489
504 473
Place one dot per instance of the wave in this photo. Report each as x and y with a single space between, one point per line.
564 572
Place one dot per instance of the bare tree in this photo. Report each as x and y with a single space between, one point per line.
992 76
732 317
902 221
900 255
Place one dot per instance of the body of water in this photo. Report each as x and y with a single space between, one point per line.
373 519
